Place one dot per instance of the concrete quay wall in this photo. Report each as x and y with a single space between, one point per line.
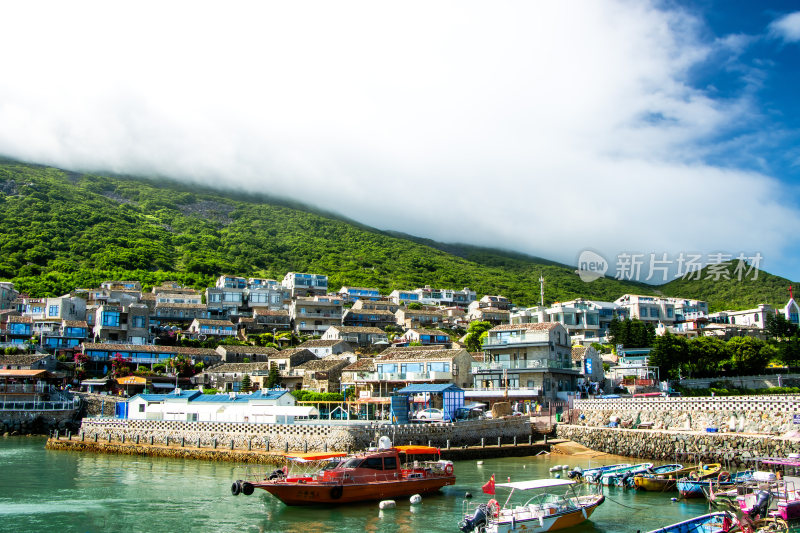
302 437
224 453
771 415
730 449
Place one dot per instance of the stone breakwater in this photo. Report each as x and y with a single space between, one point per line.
771 415
731 449
302 437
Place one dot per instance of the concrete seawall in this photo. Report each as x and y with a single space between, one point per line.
224 452
310 437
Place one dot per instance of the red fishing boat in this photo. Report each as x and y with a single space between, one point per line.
374 475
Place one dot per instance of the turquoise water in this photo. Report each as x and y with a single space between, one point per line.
44 490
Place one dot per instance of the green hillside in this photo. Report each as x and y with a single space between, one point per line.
732 293
60 230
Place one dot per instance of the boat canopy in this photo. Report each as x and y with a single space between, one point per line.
536 484
305 457
417 450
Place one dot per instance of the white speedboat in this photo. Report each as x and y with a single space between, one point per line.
553 504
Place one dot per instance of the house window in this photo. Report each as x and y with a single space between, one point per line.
141 408
110 319
138 321
53 310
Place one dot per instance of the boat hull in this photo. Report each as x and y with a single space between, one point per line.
553 522
654 484
332 494
709 523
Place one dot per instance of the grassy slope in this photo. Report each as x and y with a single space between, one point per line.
60 230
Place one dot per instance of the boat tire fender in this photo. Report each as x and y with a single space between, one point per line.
723 476
247 488
336 492
236 488
448 469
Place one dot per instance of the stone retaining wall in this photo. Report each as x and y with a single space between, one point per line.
748 414
731 449
301 437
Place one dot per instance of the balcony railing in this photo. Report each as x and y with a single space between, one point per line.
404 376
518 339
520 365
319 315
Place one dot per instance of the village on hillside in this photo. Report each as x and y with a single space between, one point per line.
248 335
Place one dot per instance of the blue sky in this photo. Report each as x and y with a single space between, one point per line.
549 128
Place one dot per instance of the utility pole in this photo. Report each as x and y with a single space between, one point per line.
541 290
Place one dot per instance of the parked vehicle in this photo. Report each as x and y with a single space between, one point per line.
429 414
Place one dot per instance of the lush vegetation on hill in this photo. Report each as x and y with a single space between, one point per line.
60 230
733 293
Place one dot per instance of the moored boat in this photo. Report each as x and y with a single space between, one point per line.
695 488
661 478
555 504
382 474
721 522
592 475
620 477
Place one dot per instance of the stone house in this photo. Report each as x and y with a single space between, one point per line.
325 347
323 375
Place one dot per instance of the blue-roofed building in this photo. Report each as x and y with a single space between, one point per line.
262 406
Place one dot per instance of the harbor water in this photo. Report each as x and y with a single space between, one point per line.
61 491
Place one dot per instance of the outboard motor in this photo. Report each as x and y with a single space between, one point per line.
627 480
761 505
576 472
477 521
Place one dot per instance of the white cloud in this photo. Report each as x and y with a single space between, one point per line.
542 127
786 27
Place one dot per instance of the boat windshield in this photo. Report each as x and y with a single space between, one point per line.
354 462
331 464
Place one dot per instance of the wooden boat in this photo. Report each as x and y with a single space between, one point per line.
374 475
694 488
721 522
611 478
593 474
661 478
555 504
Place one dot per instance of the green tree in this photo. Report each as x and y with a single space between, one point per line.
777 327
669 354
749 355
246 384
274 376
476 332
631 333
706 357
415 306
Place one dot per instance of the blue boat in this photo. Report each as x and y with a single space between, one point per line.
610 479
707 523
690 488
593 474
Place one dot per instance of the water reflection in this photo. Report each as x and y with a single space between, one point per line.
69 491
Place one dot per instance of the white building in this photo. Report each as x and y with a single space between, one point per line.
264 406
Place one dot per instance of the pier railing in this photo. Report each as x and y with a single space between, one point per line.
40 405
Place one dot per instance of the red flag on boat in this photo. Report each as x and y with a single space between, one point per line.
488 488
